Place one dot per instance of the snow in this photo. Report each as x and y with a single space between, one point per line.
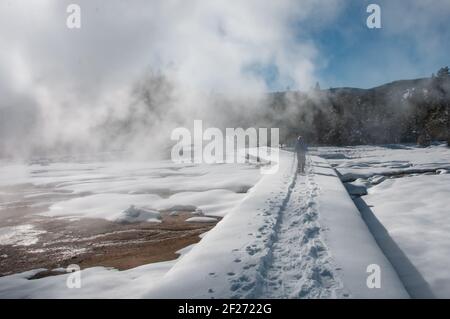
121 192
215 202
96 282
370 161
406 208
351 242
408 93
286 226
107 206
158 177
106 189
357 187
22 235
414 214
201 220
134 215
232 251
289 236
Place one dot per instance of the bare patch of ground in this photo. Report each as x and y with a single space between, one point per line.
85 242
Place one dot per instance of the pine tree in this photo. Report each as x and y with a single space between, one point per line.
443 73
443 85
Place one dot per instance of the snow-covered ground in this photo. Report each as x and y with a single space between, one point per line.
122 192
96 282
415 212
355 162
293 237
22 235
287 238
290 236
107 189
406 206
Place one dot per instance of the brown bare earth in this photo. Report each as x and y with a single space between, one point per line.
89 242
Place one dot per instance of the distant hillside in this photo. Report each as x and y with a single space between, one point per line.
406 111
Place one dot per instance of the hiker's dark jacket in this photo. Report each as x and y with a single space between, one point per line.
301 147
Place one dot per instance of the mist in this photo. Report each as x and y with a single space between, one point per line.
137 69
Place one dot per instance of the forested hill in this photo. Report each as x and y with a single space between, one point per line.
405 111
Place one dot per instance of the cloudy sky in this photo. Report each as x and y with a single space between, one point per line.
68 79
413 42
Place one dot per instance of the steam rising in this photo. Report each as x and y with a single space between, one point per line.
137 69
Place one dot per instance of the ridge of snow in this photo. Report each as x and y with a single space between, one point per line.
350 240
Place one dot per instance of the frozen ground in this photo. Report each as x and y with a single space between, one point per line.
372 161
53 206
107 189
22 235
405 201
290 236
49 211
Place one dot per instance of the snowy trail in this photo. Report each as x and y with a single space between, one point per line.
291 237
299 263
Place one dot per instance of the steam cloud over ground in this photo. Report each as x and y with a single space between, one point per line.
144 67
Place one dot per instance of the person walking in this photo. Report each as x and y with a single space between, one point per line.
301 149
